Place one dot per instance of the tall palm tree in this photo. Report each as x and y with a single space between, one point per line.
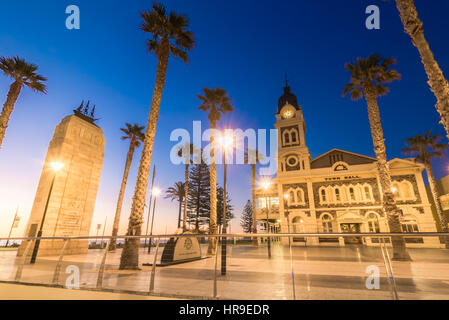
177 192
169 36
23 74
426 148
216 102
413 26
186 152
134 134
252 157
368 79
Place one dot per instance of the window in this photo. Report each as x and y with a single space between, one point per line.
294 136
406 190
299 196
395 188
410 226
327 223
291 197
262 203
373 223
298 225
286 138
352 194
323 195
367 192
337 195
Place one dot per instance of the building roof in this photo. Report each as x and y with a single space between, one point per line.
327 159
288 98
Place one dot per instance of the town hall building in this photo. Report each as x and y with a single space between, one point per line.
338 191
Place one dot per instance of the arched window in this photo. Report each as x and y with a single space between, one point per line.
337 195
327 223
406 192
286 137
291 197
351 194
373 223
299 196
395 188
367 192
298 225
294 135
323 195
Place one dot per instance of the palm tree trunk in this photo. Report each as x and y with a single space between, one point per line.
388 201
179 213
436 200
213 192
413 26
186 188
118 210
8 107
253 201
129 259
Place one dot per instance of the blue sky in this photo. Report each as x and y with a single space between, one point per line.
245 47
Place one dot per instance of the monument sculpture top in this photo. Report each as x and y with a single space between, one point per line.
83 112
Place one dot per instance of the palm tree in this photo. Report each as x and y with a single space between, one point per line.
23 74
177 193
216 102
169 36
426 148
186 152
368 79
413 26
252 157
134 134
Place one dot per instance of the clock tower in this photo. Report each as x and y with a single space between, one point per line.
293 154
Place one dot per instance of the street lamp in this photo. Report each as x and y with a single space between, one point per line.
266 186
155 192
56 166
226 142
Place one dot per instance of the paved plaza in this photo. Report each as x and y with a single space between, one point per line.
320 273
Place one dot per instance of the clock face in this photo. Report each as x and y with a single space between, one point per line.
288 112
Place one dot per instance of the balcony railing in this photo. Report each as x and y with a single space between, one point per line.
290 272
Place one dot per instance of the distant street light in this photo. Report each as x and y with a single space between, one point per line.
155 192
226 142
56 166
266 184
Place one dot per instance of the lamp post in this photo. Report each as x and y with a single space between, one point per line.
266 185
155 193
56 166
226 142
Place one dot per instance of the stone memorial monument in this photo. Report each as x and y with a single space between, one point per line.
67 190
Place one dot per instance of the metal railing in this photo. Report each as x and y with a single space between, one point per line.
382 245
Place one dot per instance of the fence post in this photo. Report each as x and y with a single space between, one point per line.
153 267
292 268
22 263
215 272
101 270
393 280
59 264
